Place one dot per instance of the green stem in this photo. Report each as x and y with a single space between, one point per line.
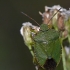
63 58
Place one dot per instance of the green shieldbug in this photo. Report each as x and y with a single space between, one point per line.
47 47
44 44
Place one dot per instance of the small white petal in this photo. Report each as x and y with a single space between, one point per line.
47 15
21 31
27 24
67 49
56 7
46 8
36 67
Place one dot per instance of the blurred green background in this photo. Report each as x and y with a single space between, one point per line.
14 55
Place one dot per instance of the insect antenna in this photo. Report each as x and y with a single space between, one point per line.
54 15
30 18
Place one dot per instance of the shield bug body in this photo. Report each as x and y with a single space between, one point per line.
47 47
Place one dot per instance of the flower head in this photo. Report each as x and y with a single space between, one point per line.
27 31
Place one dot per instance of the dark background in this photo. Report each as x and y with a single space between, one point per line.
14 55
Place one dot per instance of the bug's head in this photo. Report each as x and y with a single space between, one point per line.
44 27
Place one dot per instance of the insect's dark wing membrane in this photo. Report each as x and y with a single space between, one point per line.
50 64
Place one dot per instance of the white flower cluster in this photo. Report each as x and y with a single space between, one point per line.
62 10
28 25
27 31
